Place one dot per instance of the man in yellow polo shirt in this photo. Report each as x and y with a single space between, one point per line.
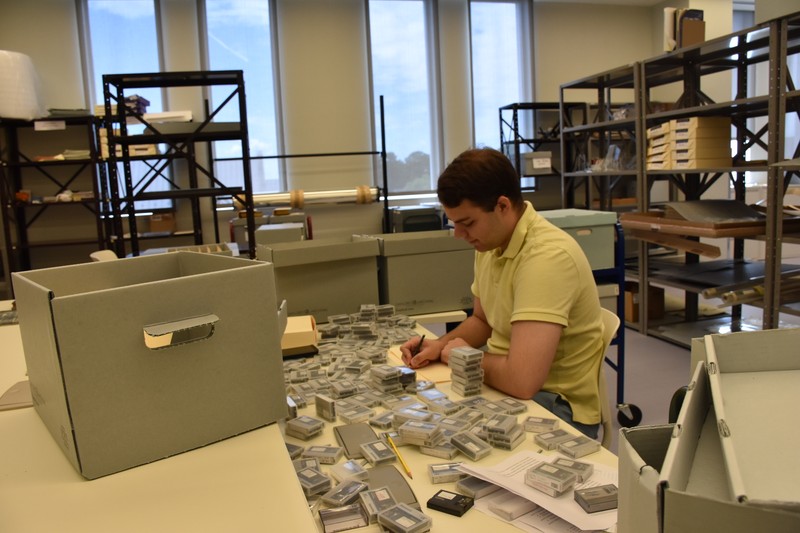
536 310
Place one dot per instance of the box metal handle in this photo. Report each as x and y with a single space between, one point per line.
168 334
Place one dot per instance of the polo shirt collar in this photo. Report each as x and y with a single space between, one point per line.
520 232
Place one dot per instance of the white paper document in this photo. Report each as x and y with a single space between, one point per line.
539 520
510 474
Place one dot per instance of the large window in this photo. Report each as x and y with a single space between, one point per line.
122 40
400 72
498 30
239 38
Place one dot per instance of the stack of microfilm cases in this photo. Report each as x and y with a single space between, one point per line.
304 427
386 378
420 433
595 499
550 479
466 372
503 431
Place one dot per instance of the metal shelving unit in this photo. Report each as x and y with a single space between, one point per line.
23 173
530 127
612 125
180 140
768 44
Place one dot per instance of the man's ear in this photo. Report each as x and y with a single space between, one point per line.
504 203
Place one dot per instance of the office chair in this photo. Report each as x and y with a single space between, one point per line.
610 326
103 255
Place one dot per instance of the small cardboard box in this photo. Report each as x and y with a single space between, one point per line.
300 333
608 293
324 277
692 32
537 163
655 304
696 491
593 230
425 271
134 360
162 223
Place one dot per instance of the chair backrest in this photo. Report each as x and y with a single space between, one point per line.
610 326
103 255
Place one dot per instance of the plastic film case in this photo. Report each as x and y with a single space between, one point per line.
343 518
403 518
551 440
326 455
475 487
595 499
578 447
344 493
376 500
470 445
538 424
378 452
445 472
583 470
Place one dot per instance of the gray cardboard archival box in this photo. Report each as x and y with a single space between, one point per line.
134 360
424 271
698 482
322 277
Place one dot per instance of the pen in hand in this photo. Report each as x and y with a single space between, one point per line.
418 347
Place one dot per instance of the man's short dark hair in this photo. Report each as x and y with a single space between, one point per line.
480 175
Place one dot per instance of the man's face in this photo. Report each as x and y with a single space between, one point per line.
484 230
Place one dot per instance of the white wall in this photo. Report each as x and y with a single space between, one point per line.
770 9
46 30
573 41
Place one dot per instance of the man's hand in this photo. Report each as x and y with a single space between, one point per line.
455 343
416 356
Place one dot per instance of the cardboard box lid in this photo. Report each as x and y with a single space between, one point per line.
417 242
641 456
574 218
285 254
694 493
754 379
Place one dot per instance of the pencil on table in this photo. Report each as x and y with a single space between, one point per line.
400 457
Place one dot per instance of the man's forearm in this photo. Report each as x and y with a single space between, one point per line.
473 330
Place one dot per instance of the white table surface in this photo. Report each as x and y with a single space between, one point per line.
245 483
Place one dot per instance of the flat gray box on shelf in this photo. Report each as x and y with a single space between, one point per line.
410 218
593 230
324 277
135 360
424 272
283 232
